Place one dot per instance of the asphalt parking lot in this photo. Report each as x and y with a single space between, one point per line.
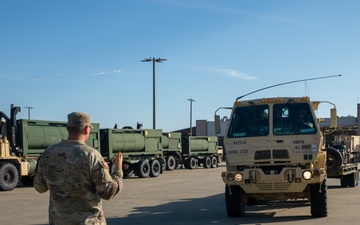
191 197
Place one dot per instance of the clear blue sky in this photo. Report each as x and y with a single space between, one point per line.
64 56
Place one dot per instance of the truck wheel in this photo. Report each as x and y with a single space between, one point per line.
9 176
190 163
351 179
343 181
318 199
334 160
143 169
155 168
207 162
193 163
170 163
214 162
128 169
235 200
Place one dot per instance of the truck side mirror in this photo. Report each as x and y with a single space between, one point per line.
333 118
217 124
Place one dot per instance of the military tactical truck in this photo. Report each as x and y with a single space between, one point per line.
190 151
23 141
274 153
141 150
343 160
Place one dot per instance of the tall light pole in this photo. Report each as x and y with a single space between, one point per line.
28 108
191 101
158 60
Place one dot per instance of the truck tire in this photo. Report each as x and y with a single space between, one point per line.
155 168
190 163
170 163
235 200
334 160
214 162
9 176
351 179
343 181
318 199
143 169
128 169
207 162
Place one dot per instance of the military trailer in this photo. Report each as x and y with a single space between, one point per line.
189 151
197 150
172 149
141 150
271 154
23 141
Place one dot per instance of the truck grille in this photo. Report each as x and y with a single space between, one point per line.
263 154
276 154
280 154
277 186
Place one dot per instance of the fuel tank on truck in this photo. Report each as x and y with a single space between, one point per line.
36 135
130 141
171 141
191 144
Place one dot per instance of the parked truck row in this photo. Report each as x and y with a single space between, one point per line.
146 152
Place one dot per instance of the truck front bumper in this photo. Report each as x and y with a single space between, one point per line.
289 180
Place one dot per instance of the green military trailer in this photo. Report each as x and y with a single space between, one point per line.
190 151
197 150
141 150
172 149
23 141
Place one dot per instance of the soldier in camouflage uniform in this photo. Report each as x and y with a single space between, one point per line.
77 177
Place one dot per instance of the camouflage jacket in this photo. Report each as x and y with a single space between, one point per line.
78 178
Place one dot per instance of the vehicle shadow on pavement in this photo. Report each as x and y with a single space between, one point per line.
210 210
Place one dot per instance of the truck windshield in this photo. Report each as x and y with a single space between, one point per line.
250 121
293 119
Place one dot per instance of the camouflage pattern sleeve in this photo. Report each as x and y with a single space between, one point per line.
39 180
106 185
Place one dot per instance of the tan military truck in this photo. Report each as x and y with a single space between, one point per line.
275 150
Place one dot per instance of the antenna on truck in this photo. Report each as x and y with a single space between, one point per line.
289 82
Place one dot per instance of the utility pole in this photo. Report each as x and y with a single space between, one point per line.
191 101
158 60
28 108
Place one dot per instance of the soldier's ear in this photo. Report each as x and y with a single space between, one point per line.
86 130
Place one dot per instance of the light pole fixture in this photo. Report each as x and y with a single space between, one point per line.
28 108
191 101
158 60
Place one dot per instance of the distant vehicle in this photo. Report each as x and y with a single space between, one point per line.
343 161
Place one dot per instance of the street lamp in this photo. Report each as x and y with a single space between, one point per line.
191 101
158 60
29 108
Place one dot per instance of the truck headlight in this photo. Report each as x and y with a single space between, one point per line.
316 174
307 174
230 176
238 177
